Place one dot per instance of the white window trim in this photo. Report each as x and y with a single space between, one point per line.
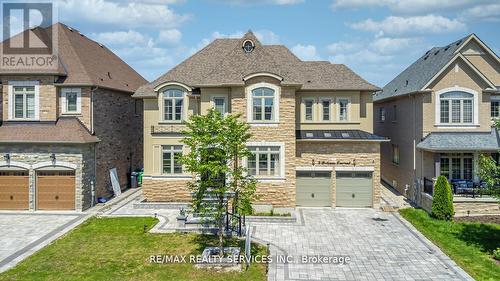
171 175
337 105
281 176
10 86
78 91
321 99
276 103
226 107
475 109
185 101
303 107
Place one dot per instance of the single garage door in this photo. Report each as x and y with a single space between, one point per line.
55 190
14 190
313 189
354 189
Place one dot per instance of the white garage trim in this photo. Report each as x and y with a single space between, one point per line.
56 164
355 169
14 164
314 168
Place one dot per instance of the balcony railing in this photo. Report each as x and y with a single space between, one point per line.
462 188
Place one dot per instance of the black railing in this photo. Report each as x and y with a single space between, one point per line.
235 222
428 186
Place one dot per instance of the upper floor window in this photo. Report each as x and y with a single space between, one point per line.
343 107
23 99
308 105
171 163
456 107
381 114
326 109
71 100
394 113
173 105
220 104
495 108
263 104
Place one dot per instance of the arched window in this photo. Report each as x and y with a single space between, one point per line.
456 107
173 105
263 104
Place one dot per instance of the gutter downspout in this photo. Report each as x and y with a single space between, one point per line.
95 144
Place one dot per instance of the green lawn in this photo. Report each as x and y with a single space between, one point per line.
118 249
470 245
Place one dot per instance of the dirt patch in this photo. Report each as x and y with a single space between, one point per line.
481 219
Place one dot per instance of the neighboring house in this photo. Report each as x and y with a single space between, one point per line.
438 114
61 132
311 124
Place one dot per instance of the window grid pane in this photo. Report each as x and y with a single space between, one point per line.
71 102
455 168
168 109
220 105
19 106
445 111
467 111
343 110
309 110
467 168
445 167
268 102
455 111
326 110
30 105
495 112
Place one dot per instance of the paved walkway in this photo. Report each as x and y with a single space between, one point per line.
23 233
381 246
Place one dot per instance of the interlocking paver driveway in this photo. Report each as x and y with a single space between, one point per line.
22 232
383 249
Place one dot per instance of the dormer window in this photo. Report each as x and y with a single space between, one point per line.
71 100
248 46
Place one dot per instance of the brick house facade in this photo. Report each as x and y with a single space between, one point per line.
61 133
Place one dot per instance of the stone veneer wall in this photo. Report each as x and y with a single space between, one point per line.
118 124
363 154
157 190
80 155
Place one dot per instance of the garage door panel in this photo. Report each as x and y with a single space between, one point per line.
55 192
14 191
354 189
313 189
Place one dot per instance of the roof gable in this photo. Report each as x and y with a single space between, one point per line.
419 75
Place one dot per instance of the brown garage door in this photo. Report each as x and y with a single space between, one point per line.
55 190
14 190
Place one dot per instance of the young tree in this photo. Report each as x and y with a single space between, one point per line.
489 172
442 200
217 145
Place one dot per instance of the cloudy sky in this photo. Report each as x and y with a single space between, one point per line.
376 38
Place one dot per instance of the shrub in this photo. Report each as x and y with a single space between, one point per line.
496 254
442 200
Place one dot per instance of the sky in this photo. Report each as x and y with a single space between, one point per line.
376 38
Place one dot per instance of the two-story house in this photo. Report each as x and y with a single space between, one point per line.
311 124
61 131
438 114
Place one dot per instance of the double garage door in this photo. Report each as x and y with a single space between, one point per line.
353 189
55 190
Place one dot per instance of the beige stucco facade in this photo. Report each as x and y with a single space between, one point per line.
279 191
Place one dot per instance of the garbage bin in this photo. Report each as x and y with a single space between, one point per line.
133 179
139 178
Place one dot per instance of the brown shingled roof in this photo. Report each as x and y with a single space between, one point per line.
64 130
83 61
223 62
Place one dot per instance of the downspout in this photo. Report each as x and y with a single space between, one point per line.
95 144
